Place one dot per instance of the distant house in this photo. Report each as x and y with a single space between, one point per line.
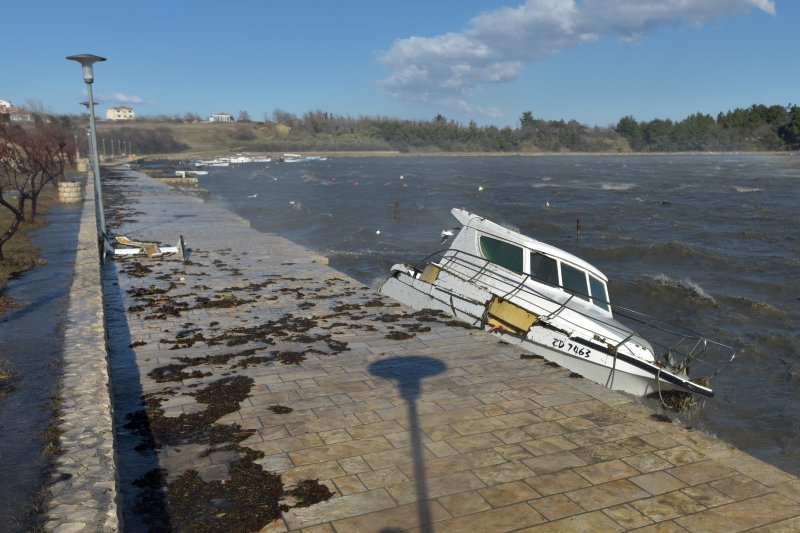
120 113
220 117
9 113
20 115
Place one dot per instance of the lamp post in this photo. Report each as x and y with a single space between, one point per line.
88 140
86 61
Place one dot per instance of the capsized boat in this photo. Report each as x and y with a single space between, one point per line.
552 303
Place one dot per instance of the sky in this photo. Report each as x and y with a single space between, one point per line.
594 61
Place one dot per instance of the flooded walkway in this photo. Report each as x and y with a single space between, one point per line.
255 388
31 344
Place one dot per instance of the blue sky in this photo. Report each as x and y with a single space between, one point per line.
594 61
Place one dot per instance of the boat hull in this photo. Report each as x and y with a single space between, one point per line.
472 304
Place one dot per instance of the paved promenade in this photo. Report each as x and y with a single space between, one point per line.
255 358
82 495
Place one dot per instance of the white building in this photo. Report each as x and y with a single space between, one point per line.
19 115
221 117
120 113
14 114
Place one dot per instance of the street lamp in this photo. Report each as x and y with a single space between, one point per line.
88 139
86 61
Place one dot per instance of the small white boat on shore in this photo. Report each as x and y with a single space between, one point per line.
238 160
218 162
184 173
297 158
554 304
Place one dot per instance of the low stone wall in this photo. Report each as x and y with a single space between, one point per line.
179 180
83 494
69 192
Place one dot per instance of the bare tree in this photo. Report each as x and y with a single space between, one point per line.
284 117
13 179
29 160
49 149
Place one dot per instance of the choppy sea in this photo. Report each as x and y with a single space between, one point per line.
708 241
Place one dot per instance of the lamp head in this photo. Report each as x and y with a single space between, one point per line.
86 61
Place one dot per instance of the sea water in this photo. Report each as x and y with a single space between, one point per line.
708 241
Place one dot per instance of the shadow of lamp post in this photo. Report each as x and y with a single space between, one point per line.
87 61
409 372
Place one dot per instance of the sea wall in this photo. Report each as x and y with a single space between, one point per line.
83 493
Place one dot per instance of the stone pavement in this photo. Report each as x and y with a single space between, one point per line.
82 495
255 352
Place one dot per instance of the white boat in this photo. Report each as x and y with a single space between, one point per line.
297 158
552 303
219 162
261 159
184 173
240 159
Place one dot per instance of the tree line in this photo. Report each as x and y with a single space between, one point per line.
447 135
758 127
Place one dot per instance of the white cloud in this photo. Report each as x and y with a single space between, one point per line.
449 69
120 98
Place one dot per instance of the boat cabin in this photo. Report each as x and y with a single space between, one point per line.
546 269
557 272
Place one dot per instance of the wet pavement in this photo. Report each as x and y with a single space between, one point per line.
255 388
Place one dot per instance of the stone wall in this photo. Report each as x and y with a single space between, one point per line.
83 494
69 192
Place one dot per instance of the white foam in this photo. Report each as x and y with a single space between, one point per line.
617 186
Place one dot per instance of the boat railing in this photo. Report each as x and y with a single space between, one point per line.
675 347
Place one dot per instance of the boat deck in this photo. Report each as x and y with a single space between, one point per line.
412 422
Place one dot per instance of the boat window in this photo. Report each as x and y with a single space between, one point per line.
544 269
574 281
502 253
599 294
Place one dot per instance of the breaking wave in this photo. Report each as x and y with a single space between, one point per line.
685 286
741 188
617 186
675 300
